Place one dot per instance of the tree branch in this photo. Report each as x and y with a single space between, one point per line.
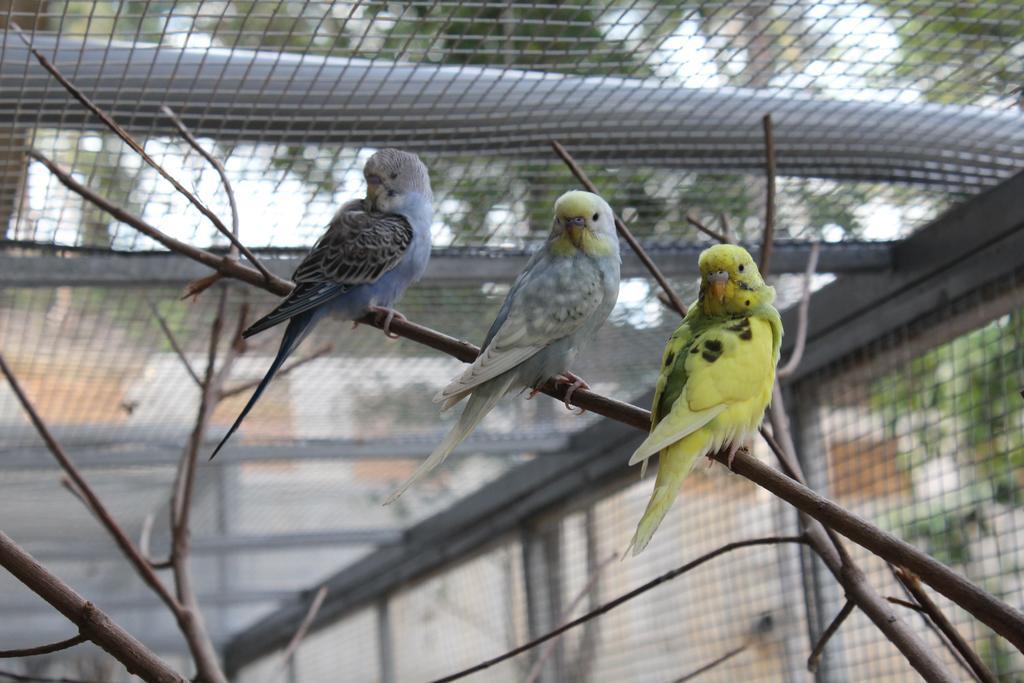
223 264
322 351
712 664
769 204
803 313
608 606
137 148
710 232
90 620
140 563
236 245
815 656
44 649
624 231
300 632
191 621
174 343
959 645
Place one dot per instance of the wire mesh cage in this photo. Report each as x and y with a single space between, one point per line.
887 119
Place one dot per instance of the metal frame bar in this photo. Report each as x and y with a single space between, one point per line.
962 250
168 454
224 545
448 266
959 252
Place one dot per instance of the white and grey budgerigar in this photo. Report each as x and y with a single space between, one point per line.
557 303
373 249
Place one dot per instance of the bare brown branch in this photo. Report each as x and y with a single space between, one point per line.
819 649
221 171
300 632
608 606
139 149
712 664
769 204
172 340
88 495
803 314
624 231
726 228
241 388
906 603
44 649
223 264
710 232
956 640
91 621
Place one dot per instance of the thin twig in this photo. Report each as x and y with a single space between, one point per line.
769 204
221 171
815 657
956 640
803 314
322 351
92 622
549 647
307 621
44 649
138 149
624 231
88 495
712 664
710 232
608 606
726 228
906 603
174 342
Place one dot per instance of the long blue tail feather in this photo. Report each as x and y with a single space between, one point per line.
298 327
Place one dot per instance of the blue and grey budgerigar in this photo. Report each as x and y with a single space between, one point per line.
558 302
373 249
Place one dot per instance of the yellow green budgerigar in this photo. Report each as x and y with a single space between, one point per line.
716 376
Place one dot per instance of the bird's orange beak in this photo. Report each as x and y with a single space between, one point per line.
717 282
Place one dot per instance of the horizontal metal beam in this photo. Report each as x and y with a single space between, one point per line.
448 266
237 94
151 601
224 545
134 451
969 246
593 459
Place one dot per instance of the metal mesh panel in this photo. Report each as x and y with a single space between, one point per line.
886 113
921 433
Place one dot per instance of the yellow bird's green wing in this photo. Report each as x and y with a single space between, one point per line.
724 363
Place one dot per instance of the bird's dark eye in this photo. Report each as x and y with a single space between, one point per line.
595 217
394 175
391 193
741 267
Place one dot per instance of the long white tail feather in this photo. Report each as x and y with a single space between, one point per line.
663 435
479 404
